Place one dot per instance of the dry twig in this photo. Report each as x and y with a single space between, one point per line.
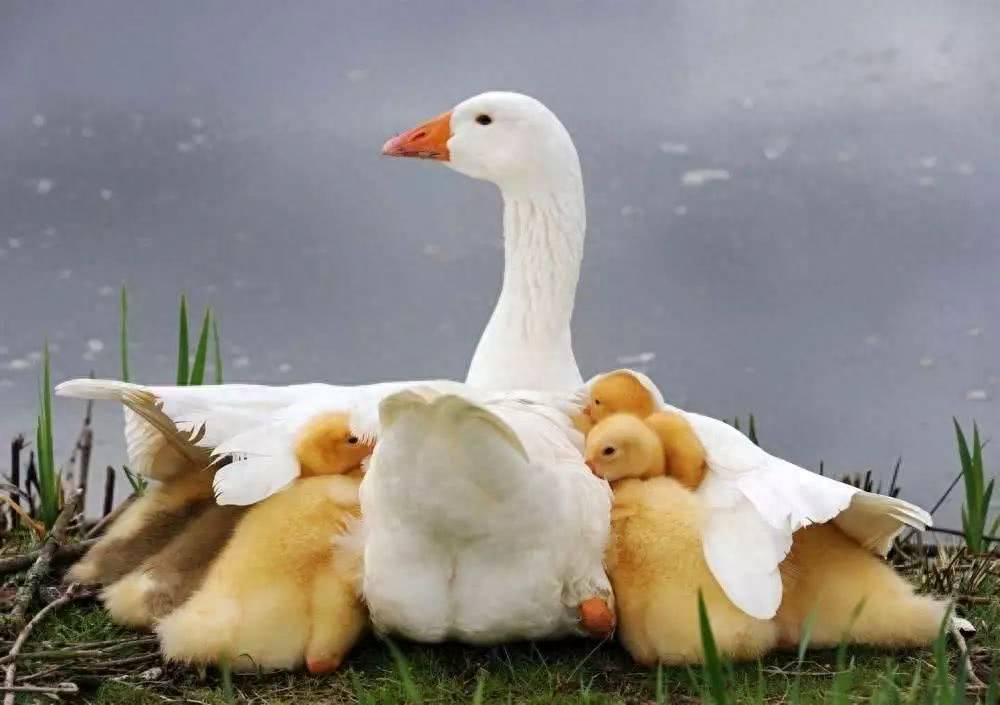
61 689
22 637
108 518
42 564
69 552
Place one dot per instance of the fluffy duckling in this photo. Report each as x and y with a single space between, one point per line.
656 563
660 444
830 574
618 393
326 446
143 529
165 580
284 591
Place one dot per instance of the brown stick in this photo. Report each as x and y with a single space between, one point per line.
42 564
69 552
110 517
30 483
22 637
61 689
109 490
16 446
86 446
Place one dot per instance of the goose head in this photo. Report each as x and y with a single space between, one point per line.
509 139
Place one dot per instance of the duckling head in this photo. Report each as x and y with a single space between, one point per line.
623 446
619 393
327 446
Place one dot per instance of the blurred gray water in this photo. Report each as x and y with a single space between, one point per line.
793 206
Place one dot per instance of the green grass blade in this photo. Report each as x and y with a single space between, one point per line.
477 697
226 676
807 627
661 692
183 350
360 692
403 667
993 691
48 479
123 334
201 352
752 432
714 675
958 696
217 351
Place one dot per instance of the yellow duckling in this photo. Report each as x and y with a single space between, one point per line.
619 393
829 574
283 591
143 529
826 572
656 563
165 580
623 393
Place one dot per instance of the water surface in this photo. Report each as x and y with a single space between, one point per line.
792 205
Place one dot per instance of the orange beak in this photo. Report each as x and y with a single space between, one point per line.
590 464
428 141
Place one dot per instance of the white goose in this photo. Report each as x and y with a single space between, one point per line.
757 501
481 522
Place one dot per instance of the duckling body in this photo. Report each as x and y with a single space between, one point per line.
657 569
684 455
278 595
282 592
169 577
828 573
656 563
145 528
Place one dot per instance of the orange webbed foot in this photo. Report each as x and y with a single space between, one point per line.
596 618
319 666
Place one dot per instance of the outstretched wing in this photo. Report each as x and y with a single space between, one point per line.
168 428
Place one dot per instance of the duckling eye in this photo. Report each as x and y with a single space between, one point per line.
608 451
484 119
353 440
597 402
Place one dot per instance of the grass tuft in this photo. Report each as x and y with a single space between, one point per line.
978 492
201 351
712 670
49 490
183 349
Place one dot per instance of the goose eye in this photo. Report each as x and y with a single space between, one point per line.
608 451
484 119
353 440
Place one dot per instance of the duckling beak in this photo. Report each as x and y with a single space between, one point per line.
427 141
590 464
